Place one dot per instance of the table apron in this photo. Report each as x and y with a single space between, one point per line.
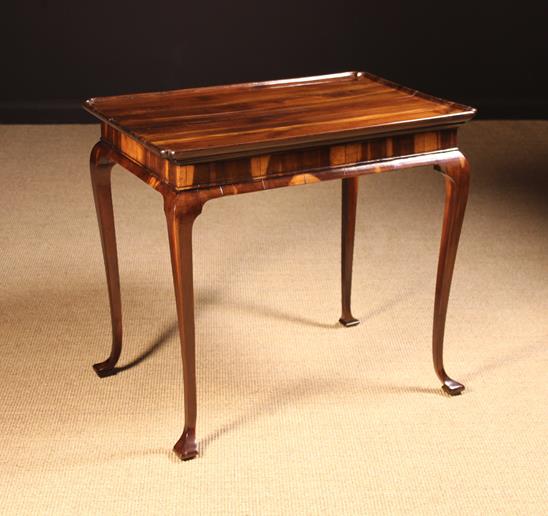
296 166
207 192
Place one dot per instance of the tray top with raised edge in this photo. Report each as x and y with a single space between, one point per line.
217 122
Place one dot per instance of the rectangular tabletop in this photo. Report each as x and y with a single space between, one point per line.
211 123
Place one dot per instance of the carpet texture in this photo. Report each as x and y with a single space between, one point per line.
297 415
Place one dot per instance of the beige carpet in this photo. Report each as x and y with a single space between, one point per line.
297 415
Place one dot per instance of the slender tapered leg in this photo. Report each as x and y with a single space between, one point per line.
457 178
100 169
349 203
181 211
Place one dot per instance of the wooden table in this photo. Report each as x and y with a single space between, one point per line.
198 144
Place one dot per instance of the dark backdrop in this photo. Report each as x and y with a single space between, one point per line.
492 55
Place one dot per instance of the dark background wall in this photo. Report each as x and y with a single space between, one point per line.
492 55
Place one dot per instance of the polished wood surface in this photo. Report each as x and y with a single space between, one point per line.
185 126
224 142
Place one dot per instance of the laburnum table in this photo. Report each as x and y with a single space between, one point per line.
198 144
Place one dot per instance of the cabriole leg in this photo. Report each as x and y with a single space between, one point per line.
100 169
181 211
457 177
349 203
